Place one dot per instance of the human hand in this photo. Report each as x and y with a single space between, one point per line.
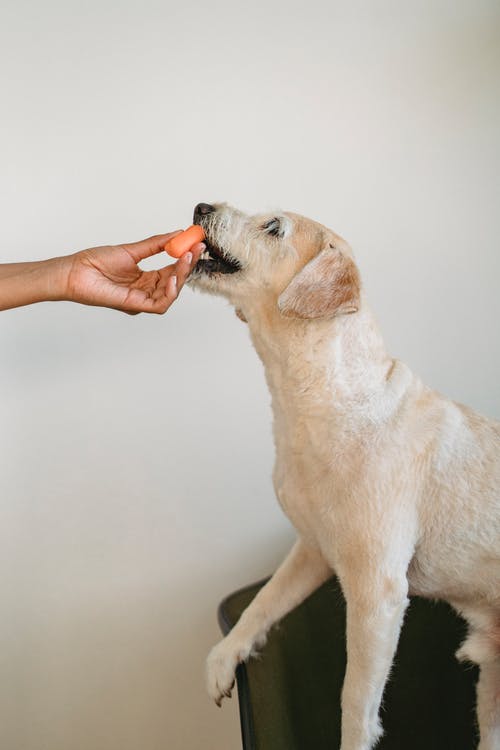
110 276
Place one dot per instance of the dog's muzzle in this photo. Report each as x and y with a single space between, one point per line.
214 259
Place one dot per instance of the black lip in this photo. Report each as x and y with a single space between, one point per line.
211 267
219 261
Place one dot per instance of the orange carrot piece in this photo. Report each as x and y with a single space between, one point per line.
183 242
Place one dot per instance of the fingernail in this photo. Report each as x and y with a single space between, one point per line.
174 281
189 257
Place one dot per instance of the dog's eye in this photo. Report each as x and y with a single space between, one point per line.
273 227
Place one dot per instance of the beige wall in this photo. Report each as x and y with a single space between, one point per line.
136 452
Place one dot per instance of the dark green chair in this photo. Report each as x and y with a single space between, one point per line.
289 698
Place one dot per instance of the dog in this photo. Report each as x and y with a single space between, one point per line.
389 485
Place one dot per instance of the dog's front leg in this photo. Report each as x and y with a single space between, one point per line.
302 571
375 610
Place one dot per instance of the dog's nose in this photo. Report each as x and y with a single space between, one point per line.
202 209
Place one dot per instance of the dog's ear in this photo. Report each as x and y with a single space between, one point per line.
328 285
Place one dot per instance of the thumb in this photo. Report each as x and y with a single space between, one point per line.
150 246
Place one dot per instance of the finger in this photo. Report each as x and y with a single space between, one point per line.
161 304
172 289
161 300
150 246
196 252
182 267
137 301
191 257
158 293
188 261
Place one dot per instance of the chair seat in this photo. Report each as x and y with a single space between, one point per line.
289 698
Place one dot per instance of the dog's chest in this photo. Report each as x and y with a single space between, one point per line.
308 477
298 503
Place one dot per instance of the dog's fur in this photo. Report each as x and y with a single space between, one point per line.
390 485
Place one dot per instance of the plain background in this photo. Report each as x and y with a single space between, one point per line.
136 453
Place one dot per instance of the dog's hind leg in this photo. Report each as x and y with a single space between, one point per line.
482 647
488 705
302 571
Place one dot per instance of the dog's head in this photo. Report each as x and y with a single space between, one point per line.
295 266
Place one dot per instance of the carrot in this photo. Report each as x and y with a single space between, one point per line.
183 242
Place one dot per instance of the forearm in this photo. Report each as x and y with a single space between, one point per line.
26 283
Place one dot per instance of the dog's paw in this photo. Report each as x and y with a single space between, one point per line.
220 671
221 668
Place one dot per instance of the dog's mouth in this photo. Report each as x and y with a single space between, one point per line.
215 260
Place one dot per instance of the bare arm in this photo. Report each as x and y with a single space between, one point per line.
107 276
25 283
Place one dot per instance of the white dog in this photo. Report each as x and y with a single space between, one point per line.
390 485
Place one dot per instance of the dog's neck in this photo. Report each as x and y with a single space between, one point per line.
339 364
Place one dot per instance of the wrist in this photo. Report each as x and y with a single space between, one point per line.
55 275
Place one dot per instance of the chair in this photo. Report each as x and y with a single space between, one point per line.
289 698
